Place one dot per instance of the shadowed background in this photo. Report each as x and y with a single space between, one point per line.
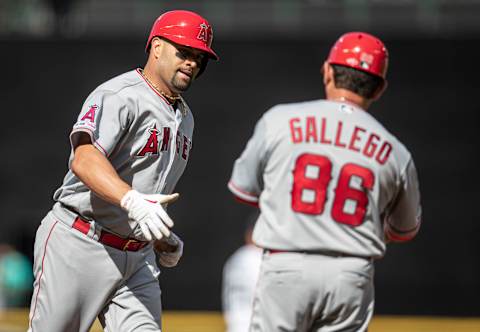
430 105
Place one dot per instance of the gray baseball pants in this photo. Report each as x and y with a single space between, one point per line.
301 292
78 279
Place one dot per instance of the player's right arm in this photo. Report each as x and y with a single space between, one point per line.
403 219
102 121
96 172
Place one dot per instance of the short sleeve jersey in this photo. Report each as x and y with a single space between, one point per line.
327 177
146 139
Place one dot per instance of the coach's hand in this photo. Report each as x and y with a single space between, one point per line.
169 249
148 212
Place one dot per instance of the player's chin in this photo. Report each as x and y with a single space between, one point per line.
182 83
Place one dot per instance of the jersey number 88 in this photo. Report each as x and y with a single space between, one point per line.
319 186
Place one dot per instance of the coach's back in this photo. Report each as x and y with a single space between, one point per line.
331 173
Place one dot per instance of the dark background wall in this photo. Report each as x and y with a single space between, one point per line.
431 105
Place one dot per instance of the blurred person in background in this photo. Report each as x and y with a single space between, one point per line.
94 251
16 278
333 187
240 275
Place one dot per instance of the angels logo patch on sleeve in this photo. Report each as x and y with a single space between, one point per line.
88 117
104 117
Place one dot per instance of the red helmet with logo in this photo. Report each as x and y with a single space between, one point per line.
362 51
185 28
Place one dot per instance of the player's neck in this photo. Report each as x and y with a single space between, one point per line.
347 96
149 74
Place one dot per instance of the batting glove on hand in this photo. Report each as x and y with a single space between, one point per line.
169 249
148 212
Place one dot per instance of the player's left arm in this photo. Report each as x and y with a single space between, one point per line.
246 182
169 250
403 221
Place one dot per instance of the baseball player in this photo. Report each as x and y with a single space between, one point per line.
240 275
333 186
94 251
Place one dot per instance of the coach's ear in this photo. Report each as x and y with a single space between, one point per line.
327 72
380 90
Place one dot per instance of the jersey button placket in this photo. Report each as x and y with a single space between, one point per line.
173 148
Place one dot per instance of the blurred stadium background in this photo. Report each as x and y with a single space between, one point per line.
53 53
251 19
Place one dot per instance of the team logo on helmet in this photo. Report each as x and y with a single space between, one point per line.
203 34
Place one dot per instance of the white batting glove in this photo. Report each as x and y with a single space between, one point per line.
170 259
148 212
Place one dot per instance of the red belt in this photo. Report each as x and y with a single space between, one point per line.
324 253
273 251
110 239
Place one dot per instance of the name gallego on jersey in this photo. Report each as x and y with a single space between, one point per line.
319 130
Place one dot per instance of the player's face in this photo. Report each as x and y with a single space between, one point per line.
185 63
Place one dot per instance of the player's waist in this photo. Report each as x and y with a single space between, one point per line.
110 218
329 253
95 231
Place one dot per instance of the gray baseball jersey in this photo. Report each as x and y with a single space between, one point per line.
327 177
147 142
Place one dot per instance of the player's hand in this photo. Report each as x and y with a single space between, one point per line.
169 249
149 213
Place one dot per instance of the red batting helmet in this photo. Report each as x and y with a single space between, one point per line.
185 28
362 51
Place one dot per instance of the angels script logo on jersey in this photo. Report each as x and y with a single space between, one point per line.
151 147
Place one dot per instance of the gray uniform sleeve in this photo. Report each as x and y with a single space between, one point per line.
104 116
403 221
246 182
